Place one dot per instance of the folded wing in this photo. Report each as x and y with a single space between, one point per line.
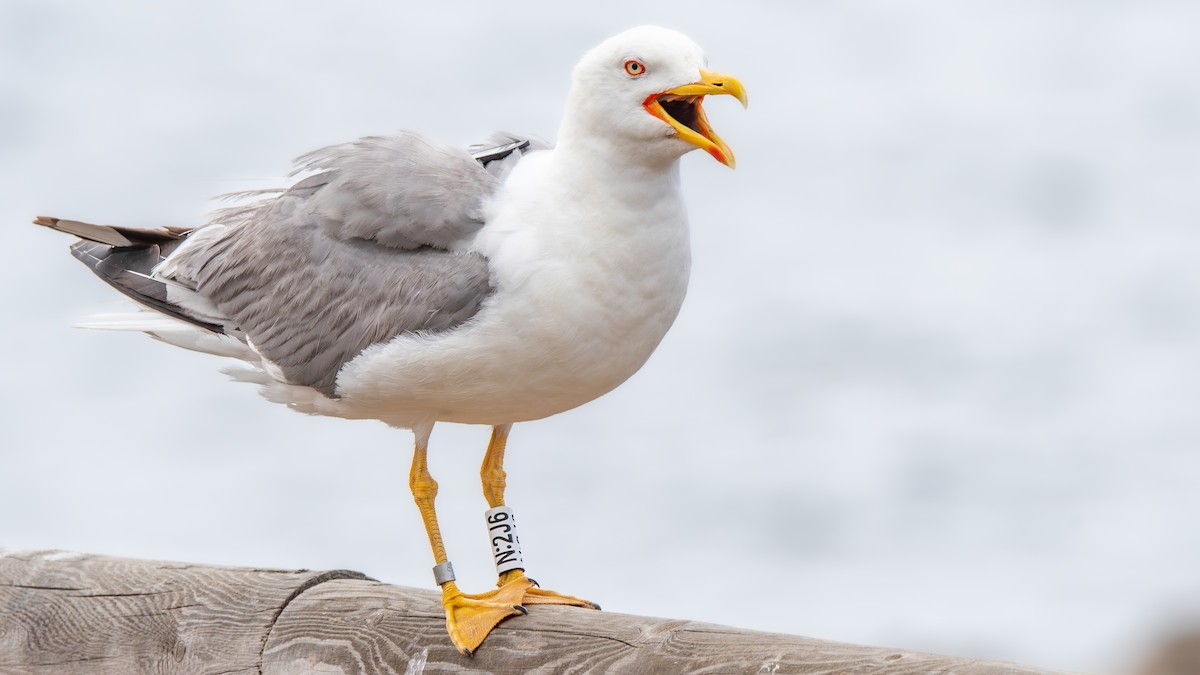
371 243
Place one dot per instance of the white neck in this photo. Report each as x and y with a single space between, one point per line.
597 170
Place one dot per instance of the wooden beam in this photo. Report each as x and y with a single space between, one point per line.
75 613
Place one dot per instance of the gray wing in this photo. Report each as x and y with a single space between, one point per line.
400 191
355 254
310 303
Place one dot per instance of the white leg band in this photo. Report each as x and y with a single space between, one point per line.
506 546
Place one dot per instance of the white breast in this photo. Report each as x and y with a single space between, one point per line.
588 280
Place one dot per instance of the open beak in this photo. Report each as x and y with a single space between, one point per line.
681 108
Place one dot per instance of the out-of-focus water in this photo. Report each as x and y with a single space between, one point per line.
935 386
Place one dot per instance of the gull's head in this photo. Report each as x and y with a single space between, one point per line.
643 92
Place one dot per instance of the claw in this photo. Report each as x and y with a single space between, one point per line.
535 595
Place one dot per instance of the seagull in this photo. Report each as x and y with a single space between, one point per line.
406 281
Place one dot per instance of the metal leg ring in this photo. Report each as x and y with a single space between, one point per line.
443 572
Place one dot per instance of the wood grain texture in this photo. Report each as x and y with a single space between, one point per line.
72 613
75 613
369 627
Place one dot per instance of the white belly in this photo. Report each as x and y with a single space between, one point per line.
578 309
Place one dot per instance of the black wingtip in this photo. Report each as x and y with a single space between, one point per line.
129 270
487 155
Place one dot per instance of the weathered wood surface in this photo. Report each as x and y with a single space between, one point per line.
66 612
74 613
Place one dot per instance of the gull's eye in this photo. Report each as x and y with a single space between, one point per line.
635 68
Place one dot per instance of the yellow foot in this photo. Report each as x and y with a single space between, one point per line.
470 618
538 596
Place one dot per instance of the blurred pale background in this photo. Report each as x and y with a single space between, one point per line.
935 386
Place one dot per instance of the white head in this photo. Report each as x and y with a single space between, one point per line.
640 93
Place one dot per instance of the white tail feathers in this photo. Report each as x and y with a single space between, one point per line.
173 332
133 320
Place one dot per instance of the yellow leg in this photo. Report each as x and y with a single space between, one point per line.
493 477
469 618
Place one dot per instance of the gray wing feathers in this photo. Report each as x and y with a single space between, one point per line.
310 303
354 254
400 191
369 245
357 252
